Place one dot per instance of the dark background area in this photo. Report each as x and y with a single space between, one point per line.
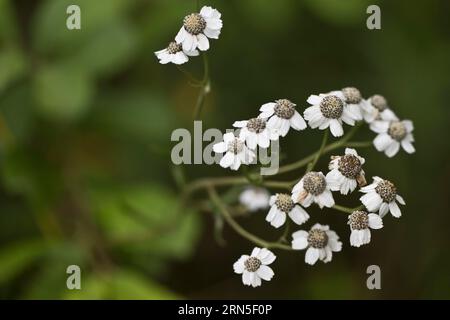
85 124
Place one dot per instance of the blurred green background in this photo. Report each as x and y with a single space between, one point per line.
85 124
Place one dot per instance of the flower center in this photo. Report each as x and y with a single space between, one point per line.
358 220
284 202
352 95
235 146
194 23
379 102
314 183
332 107
284 108
173 47
317 238
252 264
386 190
350 166
397 130
256 125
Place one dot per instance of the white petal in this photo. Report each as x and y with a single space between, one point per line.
298 215
400 199
297 121
372 201
395 210
240 124
203 42
220 147
314 99
375 221
268 107
181 36
325 199
312 255
382 141
384 208
392 149
247 278
379 126
408 147
299 243
336 128
266 256
227 160
211 33
239 266
265 272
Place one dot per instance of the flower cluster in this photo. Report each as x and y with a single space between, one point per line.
193 35
345 173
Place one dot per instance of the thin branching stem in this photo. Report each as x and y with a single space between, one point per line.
217 201
205 88
319 152
343 209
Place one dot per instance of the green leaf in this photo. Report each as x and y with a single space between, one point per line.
62 93
12 65
16 257
119 43
148 217
50 34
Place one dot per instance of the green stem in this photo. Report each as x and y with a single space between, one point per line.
319 152
330 147
204 90
363 144
343 209
237 227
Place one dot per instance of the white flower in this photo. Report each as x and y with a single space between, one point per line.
198 27
282 204
353 99
281 116
392 134
320 241
254 198
255 267
346 172
236 152
174 53
329 110
313 187
381 196
376 108
360 224
255 132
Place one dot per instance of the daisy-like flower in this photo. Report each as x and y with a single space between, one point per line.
282 204
346 172
320 241
255 132
198 27
236 152
392 134
360 224
174 53
376 108
330 110
313 187
255 199
354 101
381 196
255 267
281 116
